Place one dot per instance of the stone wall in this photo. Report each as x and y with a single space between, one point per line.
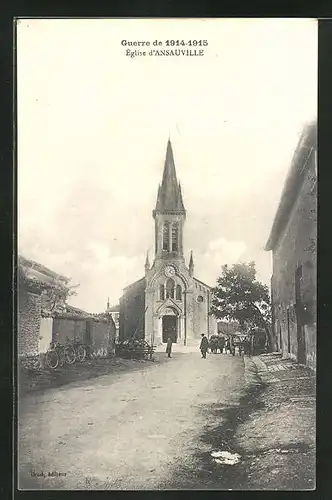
102 337
132 307
68 329
29 308
99 334
297 247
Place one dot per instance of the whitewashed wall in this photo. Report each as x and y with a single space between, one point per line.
45 334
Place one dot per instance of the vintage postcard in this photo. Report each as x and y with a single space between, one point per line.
167 231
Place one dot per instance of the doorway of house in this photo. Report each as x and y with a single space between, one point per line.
169 324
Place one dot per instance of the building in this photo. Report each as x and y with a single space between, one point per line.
41 321
35 283
168 300
293 242
114 312
96 330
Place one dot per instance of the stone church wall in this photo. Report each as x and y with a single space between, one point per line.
202 321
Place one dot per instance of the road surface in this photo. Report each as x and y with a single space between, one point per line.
135 431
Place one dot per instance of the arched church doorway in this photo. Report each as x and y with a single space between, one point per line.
170 327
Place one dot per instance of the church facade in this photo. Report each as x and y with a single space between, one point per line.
168 301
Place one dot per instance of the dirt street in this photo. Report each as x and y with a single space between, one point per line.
140 430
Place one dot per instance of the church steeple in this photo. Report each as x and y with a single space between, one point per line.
169 193
169 213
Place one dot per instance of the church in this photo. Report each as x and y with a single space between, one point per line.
168 301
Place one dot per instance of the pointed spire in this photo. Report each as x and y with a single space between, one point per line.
158 203
147 262
108 303
181 199
191 264
169 193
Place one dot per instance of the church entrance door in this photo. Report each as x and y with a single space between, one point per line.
169 328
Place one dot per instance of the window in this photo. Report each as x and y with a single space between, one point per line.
175 233
178 292
170 286
200 298
162 292
166 236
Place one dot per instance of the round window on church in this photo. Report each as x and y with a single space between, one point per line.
200 298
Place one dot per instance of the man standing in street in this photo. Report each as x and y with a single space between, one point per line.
204 345
169 347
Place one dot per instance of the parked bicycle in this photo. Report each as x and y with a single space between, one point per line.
59 354
80 350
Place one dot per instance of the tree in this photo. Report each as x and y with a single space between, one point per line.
54 291
239 296
56 296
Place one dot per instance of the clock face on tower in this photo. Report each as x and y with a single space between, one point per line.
169 271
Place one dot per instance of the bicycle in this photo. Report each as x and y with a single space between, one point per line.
80 350
59 355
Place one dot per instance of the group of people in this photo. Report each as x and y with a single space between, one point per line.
205 345
216 342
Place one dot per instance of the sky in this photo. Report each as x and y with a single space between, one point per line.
93 125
